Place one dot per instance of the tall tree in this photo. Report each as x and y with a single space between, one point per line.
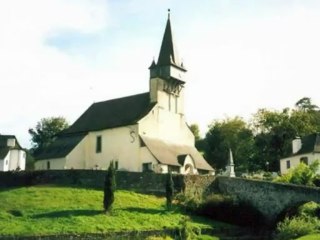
195 130
45 132
275 130
109 188
169 190
305 104
231 133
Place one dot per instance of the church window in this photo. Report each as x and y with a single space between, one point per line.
288 164
169 102
173 169
304 160
98 144
146 167
48 165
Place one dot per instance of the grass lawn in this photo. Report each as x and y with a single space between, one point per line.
47 210
310 237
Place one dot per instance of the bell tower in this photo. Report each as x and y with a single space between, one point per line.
167 75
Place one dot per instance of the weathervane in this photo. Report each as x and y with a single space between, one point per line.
168 13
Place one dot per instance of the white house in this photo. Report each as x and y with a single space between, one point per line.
12 156
305 150
143 132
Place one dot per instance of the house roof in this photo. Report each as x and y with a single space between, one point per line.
4 148
4 152
309 143
170 154
61 147
112 113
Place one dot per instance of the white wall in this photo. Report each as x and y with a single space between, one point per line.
118 144
295 160
147 157
168 126
2 162
55 164
14 159
188 161
76 159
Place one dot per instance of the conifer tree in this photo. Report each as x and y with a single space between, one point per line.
109 188
169 189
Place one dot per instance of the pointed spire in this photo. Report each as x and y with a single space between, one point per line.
168 52
153 64
231 172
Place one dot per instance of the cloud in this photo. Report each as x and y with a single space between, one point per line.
37 79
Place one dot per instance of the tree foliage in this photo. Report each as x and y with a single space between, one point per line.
195 130
232 133
45 131
109 188
259 143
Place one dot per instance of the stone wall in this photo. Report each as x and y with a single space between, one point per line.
143 182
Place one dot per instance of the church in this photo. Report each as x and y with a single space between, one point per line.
143 132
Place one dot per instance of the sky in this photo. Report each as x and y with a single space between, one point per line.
57 57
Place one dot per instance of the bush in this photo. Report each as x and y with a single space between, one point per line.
309 209
296 227
169 190
302 174
305 221
109 188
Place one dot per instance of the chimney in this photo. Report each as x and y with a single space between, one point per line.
296 145
11 142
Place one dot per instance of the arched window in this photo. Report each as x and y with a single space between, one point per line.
48 165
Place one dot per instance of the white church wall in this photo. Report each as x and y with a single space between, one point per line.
53 164
171 127
117 144
76 159
188 166
147 158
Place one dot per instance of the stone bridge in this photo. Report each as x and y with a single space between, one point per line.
271 199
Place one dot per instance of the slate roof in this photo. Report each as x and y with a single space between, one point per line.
170 154
168 52
61 147
102 115
112 113
4 149
310 143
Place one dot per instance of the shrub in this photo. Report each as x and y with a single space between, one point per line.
296 227
309 209
169 190
301 175
109 188
188 232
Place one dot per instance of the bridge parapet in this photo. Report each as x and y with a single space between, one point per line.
271 199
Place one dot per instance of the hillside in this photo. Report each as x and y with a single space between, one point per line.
50 210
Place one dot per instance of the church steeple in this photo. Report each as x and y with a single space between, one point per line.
168 52
169 64
167 76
